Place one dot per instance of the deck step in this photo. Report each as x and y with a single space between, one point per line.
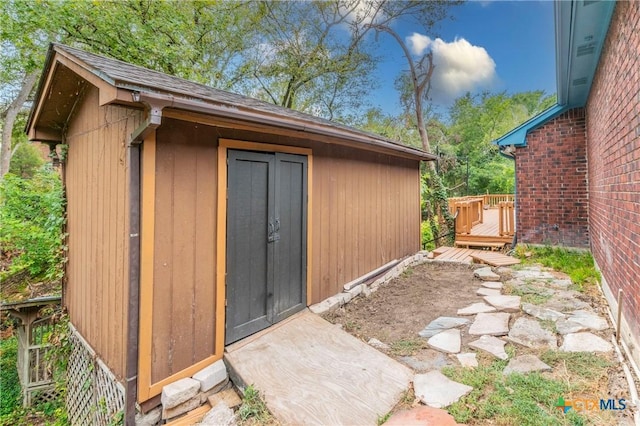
487 244
493 259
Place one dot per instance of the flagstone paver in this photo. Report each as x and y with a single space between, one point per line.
529 333
504 303
525 364
585 342
476 308
442 323
436 390
491 344
542 312
467 359
495 324
589 320
447 341
486 274
487 292
496 285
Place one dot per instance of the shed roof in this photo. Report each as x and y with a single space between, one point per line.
581 28
128 79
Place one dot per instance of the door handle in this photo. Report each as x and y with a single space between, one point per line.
272 234
278 225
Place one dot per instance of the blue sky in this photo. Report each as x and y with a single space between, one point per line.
516 36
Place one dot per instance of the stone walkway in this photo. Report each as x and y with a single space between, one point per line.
558 315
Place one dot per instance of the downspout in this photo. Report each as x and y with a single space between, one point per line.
153 120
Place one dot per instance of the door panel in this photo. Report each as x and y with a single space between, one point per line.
291 261
248 254
266 240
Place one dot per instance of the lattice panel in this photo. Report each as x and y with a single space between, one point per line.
94 397
37 397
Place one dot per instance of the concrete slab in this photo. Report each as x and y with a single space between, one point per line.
525 364
504 303
528 332
476 308
310 372
447 341
585 342
491 344
493 324
437 390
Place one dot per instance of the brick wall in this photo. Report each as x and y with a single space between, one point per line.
551 176
613 145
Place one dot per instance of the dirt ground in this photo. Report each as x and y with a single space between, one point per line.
398 310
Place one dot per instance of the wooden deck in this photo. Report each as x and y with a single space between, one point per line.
463 255
310 372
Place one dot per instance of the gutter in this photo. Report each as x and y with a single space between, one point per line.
154 118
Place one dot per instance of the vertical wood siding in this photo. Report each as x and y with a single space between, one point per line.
366 213
184 260
97 217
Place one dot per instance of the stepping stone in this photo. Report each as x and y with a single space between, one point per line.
441 324
564 326
488 292
447 341
426 360
467 359
566 301
532 288
525 364
492 284
421 416
589 320
486 274
436 390
585 342
491 344
494 324
542 313
533 273
476 308
375 343
561 284
504 303
528 332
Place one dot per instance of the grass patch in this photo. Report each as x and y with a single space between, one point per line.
515 399
584 364
253 409
578 265
528 294
406 347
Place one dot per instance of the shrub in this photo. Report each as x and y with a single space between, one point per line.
32 215
10 396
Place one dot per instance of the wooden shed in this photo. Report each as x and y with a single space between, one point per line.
197 217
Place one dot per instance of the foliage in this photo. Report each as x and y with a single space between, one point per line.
32 216
10 397
512 399
26 160
578 264
253 406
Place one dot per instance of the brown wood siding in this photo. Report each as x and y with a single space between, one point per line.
96 181
184 300
366 213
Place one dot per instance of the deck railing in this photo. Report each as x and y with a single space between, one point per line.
507 218
470 213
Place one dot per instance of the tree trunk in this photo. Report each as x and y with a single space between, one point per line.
10 116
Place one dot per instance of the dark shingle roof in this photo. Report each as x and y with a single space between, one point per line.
132 77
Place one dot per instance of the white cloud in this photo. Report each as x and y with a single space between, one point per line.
460 67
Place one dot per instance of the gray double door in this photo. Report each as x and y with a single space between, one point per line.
266 240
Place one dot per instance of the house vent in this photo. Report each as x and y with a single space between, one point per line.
579 81
586 49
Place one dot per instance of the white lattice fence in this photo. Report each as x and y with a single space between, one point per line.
94 396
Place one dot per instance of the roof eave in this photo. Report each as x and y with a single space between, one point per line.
517 137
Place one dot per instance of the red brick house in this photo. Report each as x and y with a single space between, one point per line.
578 163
